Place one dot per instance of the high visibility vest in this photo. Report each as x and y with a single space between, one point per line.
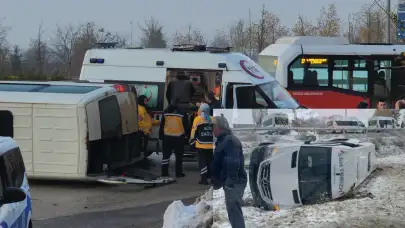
201 133
173 125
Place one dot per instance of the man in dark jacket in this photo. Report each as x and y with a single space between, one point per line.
228 170
212 102
181 88
363 104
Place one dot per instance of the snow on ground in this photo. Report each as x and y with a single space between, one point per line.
382 204
384 207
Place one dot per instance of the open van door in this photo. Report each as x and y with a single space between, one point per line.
248 97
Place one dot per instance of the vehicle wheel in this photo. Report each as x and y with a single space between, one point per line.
256 158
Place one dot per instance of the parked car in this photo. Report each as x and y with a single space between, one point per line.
15 199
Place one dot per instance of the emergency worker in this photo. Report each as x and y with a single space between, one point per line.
172 132
202 140
217 89
180 89
145 122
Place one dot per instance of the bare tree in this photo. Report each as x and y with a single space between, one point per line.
64 43
353 30
37 55
153 36
191 36
16 61
4 49
304 27
220 39
238 37
329 23
267 30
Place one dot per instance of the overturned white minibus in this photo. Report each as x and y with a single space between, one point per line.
70 130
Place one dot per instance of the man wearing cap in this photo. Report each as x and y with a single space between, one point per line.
228 170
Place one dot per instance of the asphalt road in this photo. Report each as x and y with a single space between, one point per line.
150 216
82 205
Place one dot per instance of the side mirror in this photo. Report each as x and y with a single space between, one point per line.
13 195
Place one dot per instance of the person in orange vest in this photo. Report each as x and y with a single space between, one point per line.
217 89
145 122
202 140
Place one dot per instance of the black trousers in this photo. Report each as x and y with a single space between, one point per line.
172 144
144 138
204 162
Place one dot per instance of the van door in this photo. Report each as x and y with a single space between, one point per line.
247 97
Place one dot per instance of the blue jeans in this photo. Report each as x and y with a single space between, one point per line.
234 202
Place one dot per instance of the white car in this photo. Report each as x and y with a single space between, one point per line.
15 202
306 173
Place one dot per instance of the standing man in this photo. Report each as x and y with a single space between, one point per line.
363 104
172 132
228 170
180 89
382 109
210 99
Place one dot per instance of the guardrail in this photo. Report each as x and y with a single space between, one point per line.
316 129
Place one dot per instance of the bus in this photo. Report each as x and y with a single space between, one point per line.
329 72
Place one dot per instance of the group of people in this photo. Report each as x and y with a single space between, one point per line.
222 168
382 104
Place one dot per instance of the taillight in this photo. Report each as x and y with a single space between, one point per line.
120 88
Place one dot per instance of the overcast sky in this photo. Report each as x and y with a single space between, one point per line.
24 16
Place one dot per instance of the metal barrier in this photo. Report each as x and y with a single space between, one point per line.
317 129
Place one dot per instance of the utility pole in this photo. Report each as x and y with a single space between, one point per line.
132 31
389 21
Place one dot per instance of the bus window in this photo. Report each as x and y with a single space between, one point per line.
341 74
359 82
309 71
382 78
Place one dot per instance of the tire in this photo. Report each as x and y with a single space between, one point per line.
256 158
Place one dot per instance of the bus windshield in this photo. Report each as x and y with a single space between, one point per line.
314 174
279 95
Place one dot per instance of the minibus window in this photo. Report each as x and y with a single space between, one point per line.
6 124
110 117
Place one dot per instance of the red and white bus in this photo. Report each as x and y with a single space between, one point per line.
329 72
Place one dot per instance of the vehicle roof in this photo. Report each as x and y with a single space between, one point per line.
52 98
6 144
172 59
314 40
65 83
333 49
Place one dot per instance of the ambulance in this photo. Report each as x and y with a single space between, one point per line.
243 84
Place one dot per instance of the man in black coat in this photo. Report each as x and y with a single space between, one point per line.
228 170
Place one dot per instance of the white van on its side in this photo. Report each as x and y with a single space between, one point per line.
243 83
70 130
323 170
